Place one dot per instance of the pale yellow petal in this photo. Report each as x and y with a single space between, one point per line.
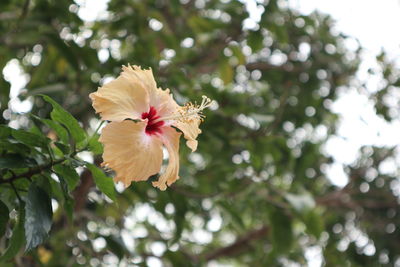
164 102
144 76
170 138
190 131
120 99
130 152
161 100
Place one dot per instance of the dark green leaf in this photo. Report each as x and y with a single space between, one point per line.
104 183
43 182
235 214
4 131
116 245
63 148
47 89
65 50
30 139
95 146
76 162
68 201
13 146
17 238
60 115
69 174
255 40
181 208
4 211
314 222
281 231
177 258
38 216
15 161
60 130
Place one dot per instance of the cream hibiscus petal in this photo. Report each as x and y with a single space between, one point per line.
170 138
187 119
130 152
164 102
144 76
161 100
120 99
190 132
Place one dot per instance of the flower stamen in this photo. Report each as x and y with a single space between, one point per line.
189 112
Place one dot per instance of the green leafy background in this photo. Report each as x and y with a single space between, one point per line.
255 193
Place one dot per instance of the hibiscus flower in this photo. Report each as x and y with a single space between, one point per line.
143 119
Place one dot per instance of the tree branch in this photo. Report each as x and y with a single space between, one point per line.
242 243
32 172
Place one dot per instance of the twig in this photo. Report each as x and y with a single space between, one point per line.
32 172
38 169
16 192
21 18
24 12
241 244
281 109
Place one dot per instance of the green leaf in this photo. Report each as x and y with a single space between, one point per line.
55 189
17 238
43 182
68 201
237 52
177 258
314 222
64 49
181 208
47 89
4 131
61 132
255 40
104 183
13 146
226 72
69 174
281 231
5 216
63 148
15 161
95 146
76 162
65 118
117 246
38 216
30 139
234 213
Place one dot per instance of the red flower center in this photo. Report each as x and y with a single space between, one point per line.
153 126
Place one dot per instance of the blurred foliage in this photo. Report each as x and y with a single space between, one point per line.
254 194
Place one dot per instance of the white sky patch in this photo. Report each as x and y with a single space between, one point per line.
92 10
361 125
374 24
314 256
255 11
336 174
14 74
